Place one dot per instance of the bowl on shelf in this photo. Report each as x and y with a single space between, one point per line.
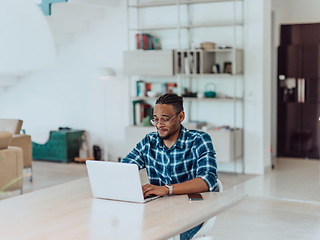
207 45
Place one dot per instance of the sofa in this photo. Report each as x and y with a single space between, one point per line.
11 164
23 141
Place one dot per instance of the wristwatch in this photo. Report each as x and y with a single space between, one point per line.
169 186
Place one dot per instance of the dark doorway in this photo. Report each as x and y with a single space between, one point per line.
298 115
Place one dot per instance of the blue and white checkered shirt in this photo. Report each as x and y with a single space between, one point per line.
192 156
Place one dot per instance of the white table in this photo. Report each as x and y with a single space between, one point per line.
68 211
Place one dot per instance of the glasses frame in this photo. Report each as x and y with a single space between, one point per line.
162 121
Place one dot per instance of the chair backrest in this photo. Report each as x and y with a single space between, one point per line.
208 225
11 125
5 139
11 169
220 187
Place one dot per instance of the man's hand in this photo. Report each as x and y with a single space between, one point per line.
153 189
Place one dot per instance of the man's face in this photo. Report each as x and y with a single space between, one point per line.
168 122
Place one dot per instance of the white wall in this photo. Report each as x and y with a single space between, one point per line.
294 11
297 11
68 95
257 86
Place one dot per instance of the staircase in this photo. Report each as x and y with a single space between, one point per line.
66 19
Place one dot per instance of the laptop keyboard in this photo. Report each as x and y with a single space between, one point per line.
150 196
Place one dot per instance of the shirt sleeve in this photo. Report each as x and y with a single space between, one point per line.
206 164
136 155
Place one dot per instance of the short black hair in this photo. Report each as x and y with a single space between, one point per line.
172 99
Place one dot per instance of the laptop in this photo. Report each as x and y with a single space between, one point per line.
116 181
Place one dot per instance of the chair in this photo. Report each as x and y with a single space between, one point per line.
19 140
11 165
208 225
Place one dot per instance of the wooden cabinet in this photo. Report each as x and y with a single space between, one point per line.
148 63
227 143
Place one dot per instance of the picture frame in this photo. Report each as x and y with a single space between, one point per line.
227 68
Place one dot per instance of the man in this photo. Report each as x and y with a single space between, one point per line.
177 160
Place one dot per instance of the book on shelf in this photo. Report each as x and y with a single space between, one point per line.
188 62
148 86
138 45
147 41
191 64
179 68
141 88
136 111
146 110
156 43
141 110
171 87
182 69
137 116
186 65
197 63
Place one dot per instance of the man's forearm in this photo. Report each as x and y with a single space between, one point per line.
192 186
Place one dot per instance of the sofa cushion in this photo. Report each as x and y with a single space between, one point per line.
11 125
5 139
11 169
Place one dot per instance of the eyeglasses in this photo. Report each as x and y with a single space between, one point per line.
163 121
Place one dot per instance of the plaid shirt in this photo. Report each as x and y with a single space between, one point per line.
191 156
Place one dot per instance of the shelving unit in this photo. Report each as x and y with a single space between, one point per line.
194 70
201 62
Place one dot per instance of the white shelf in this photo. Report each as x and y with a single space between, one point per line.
221 24
211 75
192 99
223 50
208 25
216 99
154 28
208 75
173 3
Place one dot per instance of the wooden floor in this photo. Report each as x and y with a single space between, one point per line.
282 204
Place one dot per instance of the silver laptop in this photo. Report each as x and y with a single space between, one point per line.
116 181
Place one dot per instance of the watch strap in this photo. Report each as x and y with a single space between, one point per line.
169 186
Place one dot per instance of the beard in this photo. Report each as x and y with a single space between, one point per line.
169 135
165 137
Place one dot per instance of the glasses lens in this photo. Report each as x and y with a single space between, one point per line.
162 121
